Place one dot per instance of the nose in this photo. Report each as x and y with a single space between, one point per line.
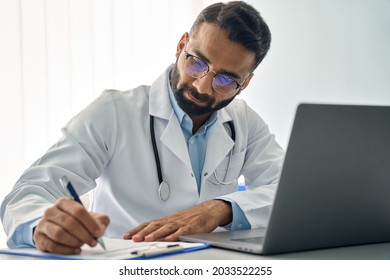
205 84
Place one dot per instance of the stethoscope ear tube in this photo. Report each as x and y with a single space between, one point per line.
156 156
163 189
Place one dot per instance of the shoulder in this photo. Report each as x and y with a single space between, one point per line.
131 95
110 105
240 111
125 101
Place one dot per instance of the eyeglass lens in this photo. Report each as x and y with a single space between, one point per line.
197 68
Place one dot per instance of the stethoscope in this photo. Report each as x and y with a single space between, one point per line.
163 188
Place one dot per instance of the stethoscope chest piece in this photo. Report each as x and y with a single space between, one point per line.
164 191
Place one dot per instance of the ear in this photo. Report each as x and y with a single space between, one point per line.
181 44
246 83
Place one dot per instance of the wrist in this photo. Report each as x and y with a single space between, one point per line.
222 210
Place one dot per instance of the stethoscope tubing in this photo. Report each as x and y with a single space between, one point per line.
155 150
163 188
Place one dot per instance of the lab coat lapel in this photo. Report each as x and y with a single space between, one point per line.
165 120
159 104
219 145
173 139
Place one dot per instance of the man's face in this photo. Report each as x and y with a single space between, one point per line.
196 96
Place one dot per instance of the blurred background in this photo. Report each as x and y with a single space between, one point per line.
57 56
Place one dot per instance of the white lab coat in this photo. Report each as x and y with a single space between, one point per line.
106 149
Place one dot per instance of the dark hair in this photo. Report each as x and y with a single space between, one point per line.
242 23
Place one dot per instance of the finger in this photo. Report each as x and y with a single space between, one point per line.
181 231
138 234
90 227
131 233
169 232
156 230
46 244
57 233
66 226
102 220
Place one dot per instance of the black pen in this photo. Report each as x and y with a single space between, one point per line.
68 185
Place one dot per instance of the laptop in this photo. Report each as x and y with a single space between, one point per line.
334 188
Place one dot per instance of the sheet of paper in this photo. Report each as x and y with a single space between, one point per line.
116 249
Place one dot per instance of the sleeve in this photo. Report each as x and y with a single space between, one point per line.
23 235
82 153
239 219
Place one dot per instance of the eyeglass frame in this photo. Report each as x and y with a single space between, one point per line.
238 86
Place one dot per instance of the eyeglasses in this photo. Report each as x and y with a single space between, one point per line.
222 83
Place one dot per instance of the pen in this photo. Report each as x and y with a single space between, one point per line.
68 185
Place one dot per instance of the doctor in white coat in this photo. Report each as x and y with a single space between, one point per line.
204 140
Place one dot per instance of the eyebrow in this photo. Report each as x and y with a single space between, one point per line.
223 71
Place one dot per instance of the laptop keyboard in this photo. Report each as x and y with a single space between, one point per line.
252 240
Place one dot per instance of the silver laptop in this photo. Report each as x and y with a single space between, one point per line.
334 188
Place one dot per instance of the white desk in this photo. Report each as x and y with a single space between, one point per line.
379 251
364 252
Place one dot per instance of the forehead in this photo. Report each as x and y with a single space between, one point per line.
212 42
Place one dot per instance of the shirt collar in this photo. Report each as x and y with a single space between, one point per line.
178 111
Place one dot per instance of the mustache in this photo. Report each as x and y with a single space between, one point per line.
196 94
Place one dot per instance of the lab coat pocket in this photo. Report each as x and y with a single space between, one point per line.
225 176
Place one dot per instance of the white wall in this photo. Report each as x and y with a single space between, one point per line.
323 51
56 56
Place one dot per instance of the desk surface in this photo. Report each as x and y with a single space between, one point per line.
380 251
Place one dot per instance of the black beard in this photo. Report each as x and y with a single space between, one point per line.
189 107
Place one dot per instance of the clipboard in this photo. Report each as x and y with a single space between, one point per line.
117 249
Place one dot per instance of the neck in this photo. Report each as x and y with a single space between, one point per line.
198 121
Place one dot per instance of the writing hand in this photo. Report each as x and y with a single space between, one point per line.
66 226
202 218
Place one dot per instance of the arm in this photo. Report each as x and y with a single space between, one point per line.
81 154
261 167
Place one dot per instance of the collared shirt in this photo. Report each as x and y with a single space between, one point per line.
197 144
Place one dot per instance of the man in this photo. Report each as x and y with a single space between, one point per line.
163 160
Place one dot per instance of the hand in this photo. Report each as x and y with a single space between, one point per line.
66 226
202 218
